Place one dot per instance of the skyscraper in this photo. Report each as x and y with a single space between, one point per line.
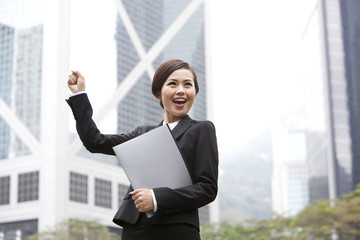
151 21
45 174
289 179
27 83
332 96
6 66
350 10
20 114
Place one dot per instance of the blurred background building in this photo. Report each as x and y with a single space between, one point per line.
332 92
45 174
330 160
290 192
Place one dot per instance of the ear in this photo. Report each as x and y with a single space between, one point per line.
158 96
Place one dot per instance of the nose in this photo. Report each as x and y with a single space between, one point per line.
180 90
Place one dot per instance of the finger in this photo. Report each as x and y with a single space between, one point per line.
138 199
73 76
135 197
137 204
72 80
71 83
136 191
77 74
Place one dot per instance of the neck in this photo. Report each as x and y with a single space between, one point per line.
172 119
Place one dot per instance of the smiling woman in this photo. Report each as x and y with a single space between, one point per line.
175 210
178 91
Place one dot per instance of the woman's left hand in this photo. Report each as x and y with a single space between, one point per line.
143 199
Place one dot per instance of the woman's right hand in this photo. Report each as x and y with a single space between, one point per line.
76 82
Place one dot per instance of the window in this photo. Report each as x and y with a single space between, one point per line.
28 186
78 187
26 227
102 193
4 190
122 190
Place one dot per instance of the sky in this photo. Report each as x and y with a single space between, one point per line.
255 48
254 63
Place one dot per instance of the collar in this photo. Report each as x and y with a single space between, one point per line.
182 126
172 125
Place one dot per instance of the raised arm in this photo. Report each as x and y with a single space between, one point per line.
93 140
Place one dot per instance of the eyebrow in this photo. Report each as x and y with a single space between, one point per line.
175 79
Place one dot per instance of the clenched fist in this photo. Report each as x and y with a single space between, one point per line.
76 82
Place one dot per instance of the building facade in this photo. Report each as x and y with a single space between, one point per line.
45 174
152 20
332 96
6 66
290 193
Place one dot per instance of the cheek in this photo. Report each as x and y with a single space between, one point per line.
192 94
166 94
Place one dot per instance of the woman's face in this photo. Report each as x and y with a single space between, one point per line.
178 95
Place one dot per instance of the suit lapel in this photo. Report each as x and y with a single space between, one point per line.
182 126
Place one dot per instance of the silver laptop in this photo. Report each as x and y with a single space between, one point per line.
153 160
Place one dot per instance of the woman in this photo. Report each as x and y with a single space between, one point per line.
175 210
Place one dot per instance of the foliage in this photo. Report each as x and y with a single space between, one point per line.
249 230
75 229
323 219
317 220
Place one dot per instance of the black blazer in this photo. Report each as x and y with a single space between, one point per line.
197 143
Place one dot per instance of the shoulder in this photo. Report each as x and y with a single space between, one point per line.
143 129
204 128
204 125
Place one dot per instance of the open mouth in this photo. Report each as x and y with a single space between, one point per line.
179 101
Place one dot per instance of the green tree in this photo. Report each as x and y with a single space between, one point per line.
324 218
274 229
223 231
75 229
317 221
348 212
320 220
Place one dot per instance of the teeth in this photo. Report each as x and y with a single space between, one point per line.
179 100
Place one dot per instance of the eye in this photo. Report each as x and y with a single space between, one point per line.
171 83
188 84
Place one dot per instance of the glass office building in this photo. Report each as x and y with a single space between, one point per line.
290 193
45 174
351 30
6 63
151 21
21 54
331 53
20 83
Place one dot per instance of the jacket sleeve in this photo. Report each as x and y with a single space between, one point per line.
205 176
93 140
